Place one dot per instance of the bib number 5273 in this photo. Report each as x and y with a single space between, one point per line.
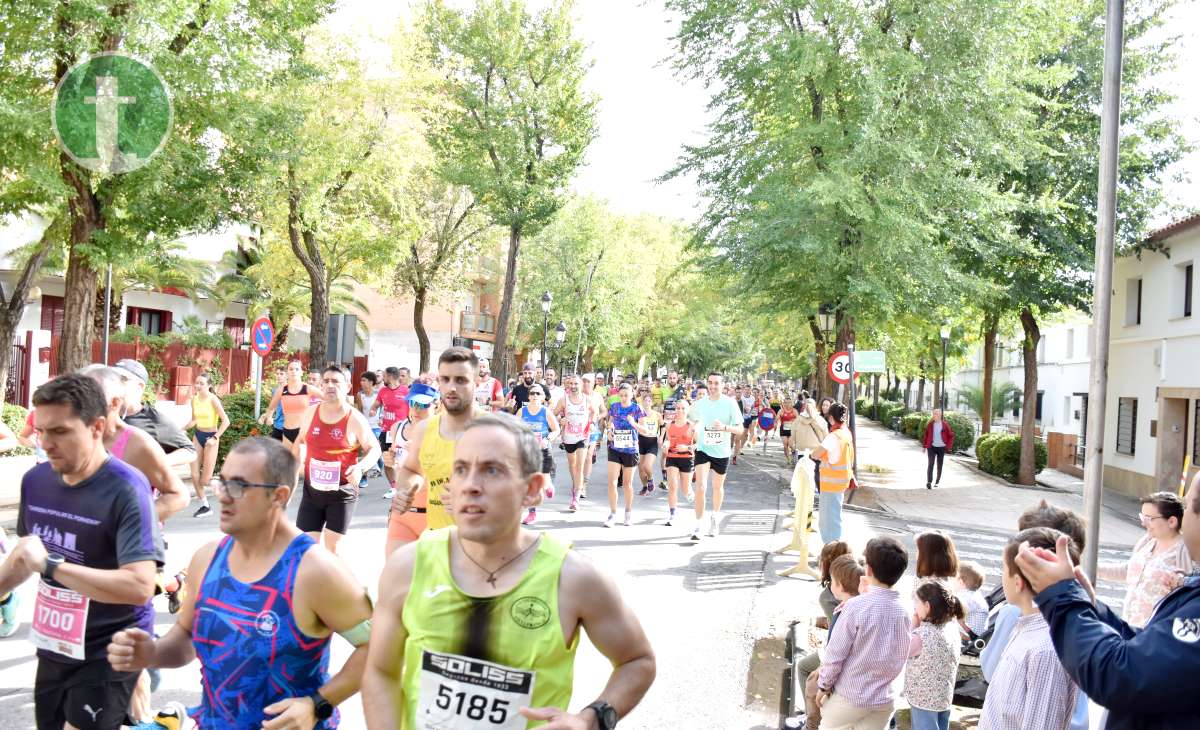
472 706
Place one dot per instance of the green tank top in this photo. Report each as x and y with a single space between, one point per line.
471 662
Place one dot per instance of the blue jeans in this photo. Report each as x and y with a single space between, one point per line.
829 516
930 720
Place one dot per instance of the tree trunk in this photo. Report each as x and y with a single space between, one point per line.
510 284
1028 469
318 338
823 384
937 392
79 301
908 393
306 248
920 405
587 358
114 311
419 295
990 324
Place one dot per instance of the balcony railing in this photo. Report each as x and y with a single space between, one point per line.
473 322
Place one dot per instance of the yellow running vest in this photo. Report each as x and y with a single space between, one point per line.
437 460
472 662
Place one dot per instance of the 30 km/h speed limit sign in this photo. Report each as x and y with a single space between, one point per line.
839 367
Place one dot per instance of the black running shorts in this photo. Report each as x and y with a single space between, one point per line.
718 463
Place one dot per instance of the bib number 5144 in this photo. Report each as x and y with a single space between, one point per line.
473 706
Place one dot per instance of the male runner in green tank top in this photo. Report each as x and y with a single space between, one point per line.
477 624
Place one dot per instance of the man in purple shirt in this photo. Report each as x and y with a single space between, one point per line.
88 529
869 648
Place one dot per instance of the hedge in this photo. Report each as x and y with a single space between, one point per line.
983 449
963 427
14 417
912 423
239 407
1004 458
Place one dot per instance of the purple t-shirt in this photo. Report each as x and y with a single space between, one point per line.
104 522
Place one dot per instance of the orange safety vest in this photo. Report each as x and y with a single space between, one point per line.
836 475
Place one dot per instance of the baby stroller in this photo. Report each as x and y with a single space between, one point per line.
970 690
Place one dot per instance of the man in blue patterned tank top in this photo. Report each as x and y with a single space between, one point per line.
269 599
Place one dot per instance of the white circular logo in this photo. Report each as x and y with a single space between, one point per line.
266 623
1186 630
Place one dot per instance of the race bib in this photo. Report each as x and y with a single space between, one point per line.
623 438
576 428
324 476
389 416
713 437
59 620
459 692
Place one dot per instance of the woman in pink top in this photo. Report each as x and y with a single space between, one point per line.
1159 562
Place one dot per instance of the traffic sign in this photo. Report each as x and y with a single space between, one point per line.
262 336
869 361
839 367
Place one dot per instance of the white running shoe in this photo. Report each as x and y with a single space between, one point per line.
389 493
628 519
713 529
612 520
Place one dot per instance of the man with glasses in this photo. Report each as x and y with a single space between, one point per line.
718 418
262 619
332 434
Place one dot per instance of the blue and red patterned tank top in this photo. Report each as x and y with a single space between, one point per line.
252 654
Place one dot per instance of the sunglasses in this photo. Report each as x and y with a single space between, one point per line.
235 488
420 406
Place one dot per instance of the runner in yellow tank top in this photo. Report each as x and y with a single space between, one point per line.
431 444
477 625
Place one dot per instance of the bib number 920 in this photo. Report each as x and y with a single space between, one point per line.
473 706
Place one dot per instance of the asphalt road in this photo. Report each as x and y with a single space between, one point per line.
715 611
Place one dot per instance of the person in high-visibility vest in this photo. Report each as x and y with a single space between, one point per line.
836 454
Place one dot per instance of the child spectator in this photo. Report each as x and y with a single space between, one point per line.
844 576
869 648
970 593
827 600
936 558
933 657
1030 688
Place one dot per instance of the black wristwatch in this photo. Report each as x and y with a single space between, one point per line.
322 710
53 560
606 716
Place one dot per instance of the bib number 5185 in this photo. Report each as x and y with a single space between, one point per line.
474 706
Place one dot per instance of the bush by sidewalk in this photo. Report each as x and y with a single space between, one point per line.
239 407
14 417
1002 455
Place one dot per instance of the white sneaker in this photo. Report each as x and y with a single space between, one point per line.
389 493
612 520
713 528
628 519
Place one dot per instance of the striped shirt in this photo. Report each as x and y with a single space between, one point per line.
869 649
1030 688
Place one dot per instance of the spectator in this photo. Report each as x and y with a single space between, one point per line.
1159 562
933 657
870 649
826 402
1139 676
937 560
1071 524
845 575
809 430
970 594
828 600
939 438
1030 688
836 454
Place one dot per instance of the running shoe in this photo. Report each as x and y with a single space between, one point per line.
735 460
573 506
663 485
644 492
714 529
550 491
628 519
583 494
612 520
391 492
203 511
8 616
670 521
530 518
696 534
172 717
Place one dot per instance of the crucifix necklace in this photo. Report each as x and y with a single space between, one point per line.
491 574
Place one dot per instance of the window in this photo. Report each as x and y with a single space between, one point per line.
52 315
1037 413
1041 349
1187 289
152 321
1016 404
1126 425
236 327
1066 409
1133 302
1070 344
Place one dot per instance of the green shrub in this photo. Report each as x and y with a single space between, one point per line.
239 407
964 431
912 422
1004 456
889 410
863 407
14 417
983 449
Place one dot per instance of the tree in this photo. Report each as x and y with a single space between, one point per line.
519 121
212 65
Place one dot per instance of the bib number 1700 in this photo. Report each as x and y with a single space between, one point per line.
472 706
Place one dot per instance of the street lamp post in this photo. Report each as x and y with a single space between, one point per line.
546 300
945 341
560 336
827 317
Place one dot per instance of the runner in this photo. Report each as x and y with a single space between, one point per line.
266 608
577 413
718 417
431 446
391 406
648 445
766 425
556 392
749 409
679 446
489 393
421 400
596 397
332 434
787 416
483 620
315 387
368 391
623 426
174 442
292 396
210 421
545 426
520 392
95 513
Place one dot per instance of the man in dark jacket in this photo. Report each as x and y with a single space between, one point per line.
1140 676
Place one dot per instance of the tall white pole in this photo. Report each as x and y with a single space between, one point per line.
1106 204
